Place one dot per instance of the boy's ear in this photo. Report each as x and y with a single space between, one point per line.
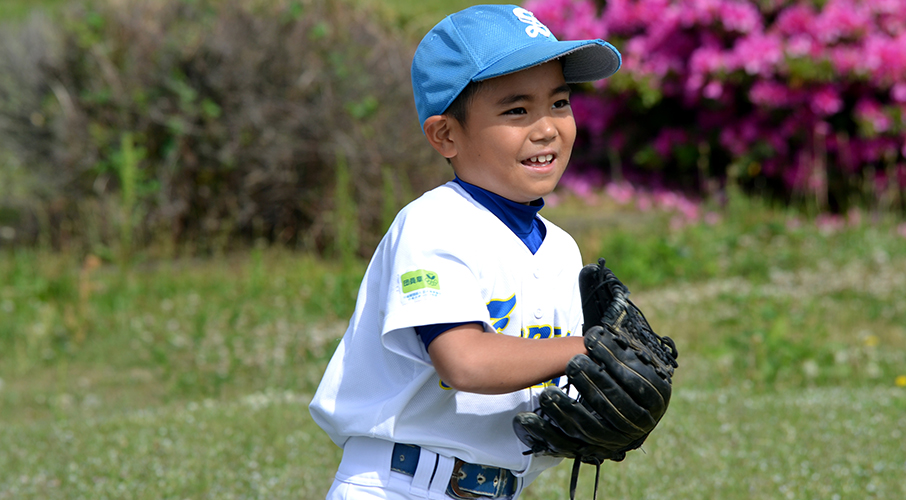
439 133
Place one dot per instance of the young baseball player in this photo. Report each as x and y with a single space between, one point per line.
470 305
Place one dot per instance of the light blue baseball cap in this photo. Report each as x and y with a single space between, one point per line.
485 41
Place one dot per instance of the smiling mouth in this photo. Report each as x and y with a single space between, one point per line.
539 161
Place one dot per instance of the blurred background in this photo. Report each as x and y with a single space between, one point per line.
190 191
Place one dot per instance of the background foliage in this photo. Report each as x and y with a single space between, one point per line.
124 123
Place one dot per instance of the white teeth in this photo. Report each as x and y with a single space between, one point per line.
541 159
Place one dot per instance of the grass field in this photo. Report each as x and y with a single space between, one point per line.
812 443
190 378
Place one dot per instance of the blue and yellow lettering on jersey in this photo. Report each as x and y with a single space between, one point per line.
543 332
500 311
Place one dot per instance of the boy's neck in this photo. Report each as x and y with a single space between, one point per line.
519 217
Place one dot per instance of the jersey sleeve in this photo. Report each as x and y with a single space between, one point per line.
430 278
430 332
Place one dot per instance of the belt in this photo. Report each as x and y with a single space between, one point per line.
468 480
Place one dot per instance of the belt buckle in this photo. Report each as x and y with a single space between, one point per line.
498 479
454 481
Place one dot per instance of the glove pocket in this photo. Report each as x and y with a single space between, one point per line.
610 400
635 371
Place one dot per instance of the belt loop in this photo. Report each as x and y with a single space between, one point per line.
442 475
421 481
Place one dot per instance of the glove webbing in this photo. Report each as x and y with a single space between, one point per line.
616 314
663 347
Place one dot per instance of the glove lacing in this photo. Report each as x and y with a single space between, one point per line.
578 460
574 477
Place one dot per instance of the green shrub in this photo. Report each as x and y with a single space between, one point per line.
207 122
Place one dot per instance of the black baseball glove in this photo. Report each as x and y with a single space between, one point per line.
624 383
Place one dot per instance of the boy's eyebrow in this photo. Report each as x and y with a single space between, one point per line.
562 89
514 98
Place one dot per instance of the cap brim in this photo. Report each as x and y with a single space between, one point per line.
583 60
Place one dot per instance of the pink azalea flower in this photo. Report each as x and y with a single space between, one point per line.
796 19
841 19
742 17
800 45
769 93
758 53
582 184
885 57
713 90
898 92
799 62
847 59
826 101
707 60
621 192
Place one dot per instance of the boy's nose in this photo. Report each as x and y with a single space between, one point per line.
545 129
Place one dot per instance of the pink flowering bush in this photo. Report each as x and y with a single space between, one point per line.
801 99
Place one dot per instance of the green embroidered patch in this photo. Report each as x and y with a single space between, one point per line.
416 280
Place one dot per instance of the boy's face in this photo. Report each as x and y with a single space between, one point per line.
518 136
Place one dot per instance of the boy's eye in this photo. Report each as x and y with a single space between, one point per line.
562 103
515 111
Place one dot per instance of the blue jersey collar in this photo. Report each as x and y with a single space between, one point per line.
521 219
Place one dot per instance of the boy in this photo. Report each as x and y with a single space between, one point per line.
470 305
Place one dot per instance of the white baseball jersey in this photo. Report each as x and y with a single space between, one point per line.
446 259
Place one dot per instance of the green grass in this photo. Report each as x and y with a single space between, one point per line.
764 297
163 332
727 443
262 445
189 378
730 443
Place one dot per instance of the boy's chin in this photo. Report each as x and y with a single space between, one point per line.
528 196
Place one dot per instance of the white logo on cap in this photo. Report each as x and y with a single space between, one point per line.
535 27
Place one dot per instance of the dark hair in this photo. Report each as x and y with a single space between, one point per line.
459 108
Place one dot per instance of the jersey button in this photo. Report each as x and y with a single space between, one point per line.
538 313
